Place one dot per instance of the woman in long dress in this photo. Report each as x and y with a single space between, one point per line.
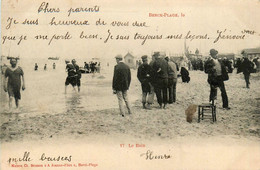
184 71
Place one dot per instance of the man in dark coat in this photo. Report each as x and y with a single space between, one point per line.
144 76
121 83
247 67
217 74
160 68
238 65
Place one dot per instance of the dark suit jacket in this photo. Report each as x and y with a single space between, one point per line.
247 66
144 74
122 77
160 67
209 68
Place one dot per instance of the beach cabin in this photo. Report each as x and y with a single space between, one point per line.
251 52
129 60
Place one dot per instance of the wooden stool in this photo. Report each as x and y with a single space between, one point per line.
207 108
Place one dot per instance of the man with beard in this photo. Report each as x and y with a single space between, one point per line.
144 74
12 82
217 74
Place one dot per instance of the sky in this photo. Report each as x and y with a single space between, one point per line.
201 17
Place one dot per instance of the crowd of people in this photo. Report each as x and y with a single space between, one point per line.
45 67
92 67
159 77
74 72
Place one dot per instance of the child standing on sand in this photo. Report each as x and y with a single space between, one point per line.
12 82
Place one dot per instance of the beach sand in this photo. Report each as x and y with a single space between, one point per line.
102 119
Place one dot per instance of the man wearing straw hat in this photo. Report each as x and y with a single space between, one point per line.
121 83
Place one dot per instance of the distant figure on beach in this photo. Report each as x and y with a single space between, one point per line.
74 75
53 66
160 70
217 74
144 75
45 67
86 66
95 67
12 82
247 67
36 67
172 80
121 83
92 66
98 67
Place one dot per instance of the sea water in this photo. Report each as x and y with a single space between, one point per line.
45 90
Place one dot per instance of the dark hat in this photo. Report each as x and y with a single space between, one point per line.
119 56
144 57
13 58
213 52
156 54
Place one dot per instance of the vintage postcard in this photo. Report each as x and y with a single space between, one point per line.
95 84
